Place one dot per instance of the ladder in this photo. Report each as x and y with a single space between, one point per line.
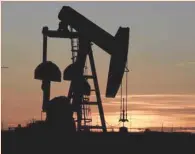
86 118
86 110
74 46
96 89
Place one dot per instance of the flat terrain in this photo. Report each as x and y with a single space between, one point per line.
26 141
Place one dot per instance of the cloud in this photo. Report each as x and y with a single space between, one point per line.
168 108
145 110
185 64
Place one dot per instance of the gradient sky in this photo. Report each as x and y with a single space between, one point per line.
161 54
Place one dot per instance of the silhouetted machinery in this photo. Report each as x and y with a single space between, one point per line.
82 33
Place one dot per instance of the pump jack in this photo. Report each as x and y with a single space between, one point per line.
82 33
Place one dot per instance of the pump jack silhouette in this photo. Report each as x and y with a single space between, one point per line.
82 33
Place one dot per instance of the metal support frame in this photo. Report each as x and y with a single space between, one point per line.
45 84
84 50
97 91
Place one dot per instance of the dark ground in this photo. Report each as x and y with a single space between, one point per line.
26 141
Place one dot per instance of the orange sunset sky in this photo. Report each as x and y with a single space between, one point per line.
161 83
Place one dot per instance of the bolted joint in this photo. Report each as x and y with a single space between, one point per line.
63 26
45 30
